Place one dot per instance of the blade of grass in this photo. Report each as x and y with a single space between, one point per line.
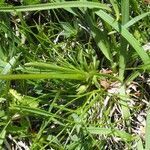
3 133
139 144
32 110
147 132
116 9
10 64
136 19
132 77
51 67
122 60
46 122
107 131
140 67
123 50
126 34
125 11
135 6
38 112
100 38
55 5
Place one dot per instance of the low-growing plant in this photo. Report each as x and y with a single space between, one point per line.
74 75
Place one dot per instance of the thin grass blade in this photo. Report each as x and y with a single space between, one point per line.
107 131
147 132
116 9
136 19
56 5
52 67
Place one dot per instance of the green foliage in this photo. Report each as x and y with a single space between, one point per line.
27 2
73 75
2 1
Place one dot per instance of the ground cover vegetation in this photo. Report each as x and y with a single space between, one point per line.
74 75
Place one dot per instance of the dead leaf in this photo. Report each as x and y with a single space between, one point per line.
147 1
106 71
104 84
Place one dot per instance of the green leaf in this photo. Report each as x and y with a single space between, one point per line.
69 30
136 19
24 100
2 137
3 134
107 131
56 5
52 75
52 67
132 76
36 111
147 132
126 34
2 2
10 64
101 39
29 2
116 9
139 144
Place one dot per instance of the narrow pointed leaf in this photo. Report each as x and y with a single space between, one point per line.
56 5
126 34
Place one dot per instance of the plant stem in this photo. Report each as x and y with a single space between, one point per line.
122 60
123 50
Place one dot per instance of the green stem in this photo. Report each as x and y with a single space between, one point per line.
43 76
123 50
122 61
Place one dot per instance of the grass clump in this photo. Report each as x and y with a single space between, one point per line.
74 75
